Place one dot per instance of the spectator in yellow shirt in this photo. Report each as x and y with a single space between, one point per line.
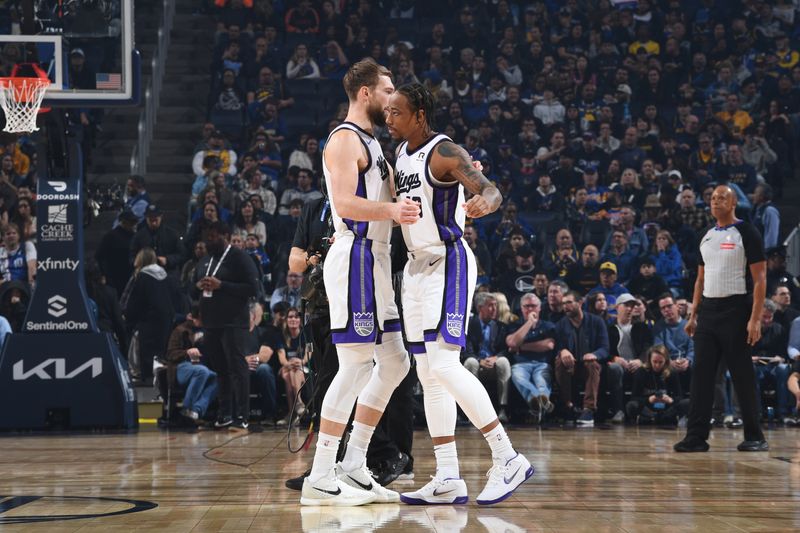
787 58
22 162
732 116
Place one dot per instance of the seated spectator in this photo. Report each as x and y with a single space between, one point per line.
17 258
254 188
267 156
305 191
668 260
558 260
333 62
162 239
24 217
246 222
185 367
267 85
693 215
227 199
265 117
553 306
627 342
637 238
738 171
581 347
646 282
532 341
149 305
485 351
228 96
497 233
210 214
289 293
504 314
585 275
301 65
211 165
657 396
631 189
597 304
609 286
621 255
519 280
259 353
216 147
785 312
549 110
547 198
669 332
293 357
209 195
307 156
770 363
302 19
14 299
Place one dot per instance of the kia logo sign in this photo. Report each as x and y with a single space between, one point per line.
58 186
57 306
94 364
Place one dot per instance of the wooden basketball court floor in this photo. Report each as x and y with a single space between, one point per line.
599 480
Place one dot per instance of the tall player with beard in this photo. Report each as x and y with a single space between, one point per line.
365 323
438 284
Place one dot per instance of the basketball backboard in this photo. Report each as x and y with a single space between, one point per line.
86 47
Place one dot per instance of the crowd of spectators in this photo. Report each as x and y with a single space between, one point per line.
605 124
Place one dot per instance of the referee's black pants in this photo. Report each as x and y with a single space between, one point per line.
721 335
226 350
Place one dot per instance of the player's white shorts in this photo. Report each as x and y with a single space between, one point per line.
358 281
438 284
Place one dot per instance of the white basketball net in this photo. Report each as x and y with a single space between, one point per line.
21 99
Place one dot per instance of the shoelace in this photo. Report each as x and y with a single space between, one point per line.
437 482
497 473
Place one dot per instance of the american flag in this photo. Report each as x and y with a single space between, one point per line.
104 80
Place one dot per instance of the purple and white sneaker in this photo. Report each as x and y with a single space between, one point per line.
504 480
438 491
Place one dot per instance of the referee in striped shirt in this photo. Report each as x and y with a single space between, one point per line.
726 321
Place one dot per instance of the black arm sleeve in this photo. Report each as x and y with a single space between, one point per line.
301 238
752 242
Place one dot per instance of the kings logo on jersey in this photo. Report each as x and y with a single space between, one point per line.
363 323
455 322
404 183
383 166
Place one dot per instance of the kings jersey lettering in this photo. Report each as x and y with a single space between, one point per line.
404 183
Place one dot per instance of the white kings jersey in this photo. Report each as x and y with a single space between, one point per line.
373 184
442 216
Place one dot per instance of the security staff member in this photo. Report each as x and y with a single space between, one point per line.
726 321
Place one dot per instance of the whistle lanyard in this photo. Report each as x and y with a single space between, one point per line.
221 259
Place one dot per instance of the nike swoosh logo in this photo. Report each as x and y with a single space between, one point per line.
441 493
434 262
509 479
362 485
331 492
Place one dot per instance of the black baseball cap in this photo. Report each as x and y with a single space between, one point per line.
128 216
152 211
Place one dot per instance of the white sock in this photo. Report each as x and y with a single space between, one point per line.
356 452
502 450
446 460
324 456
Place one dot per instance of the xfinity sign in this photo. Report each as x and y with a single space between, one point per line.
48 264
59 369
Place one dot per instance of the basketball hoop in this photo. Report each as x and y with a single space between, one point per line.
21 98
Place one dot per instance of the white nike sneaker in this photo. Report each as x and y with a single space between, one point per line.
504 479
438 491
334 492
361 479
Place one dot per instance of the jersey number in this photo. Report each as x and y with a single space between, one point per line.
419 201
